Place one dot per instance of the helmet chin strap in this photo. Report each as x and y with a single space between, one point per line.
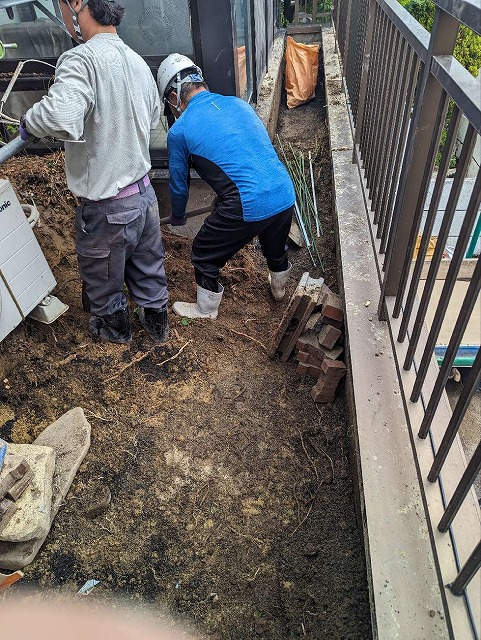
78 32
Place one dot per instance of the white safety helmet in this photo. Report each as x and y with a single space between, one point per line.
169 75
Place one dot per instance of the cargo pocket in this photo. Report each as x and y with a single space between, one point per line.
93 264
117 223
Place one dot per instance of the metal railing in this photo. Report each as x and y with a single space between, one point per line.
311 11
407 94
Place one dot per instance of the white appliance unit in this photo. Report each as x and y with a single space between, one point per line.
25 277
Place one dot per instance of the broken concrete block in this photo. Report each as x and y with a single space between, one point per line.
330 354
69 436
14 468
32 517
328 336
313 325
20 486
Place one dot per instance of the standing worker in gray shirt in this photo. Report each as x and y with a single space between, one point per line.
103 104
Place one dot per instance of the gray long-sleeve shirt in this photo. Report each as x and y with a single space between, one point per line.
103 103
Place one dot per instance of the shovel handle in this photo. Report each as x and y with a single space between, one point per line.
190 214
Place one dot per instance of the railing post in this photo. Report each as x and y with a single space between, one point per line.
417 154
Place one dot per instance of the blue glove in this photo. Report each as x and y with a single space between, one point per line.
22 130
177 222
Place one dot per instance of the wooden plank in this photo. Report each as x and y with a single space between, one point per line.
299 29
307 305
289 313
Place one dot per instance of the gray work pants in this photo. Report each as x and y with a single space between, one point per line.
117 242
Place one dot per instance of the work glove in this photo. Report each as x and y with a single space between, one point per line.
177 222
22 130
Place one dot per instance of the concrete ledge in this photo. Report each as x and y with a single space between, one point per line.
269 98
406 597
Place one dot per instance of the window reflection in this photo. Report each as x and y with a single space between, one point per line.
242 54
33 30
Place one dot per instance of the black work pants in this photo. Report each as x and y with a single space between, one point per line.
221 237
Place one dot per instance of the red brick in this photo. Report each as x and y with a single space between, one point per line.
309 343
19 487
308 358
333 368
325 382
320 395
332 307
328 336
308 369
331 322
14 468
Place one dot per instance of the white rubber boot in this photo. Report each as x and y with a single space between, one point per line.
278 281
207 305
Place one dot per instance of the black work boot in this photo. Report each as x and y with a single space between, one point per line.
112 328
155 323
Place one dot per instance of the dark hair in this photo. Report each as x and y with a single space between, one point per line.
105 12
188 87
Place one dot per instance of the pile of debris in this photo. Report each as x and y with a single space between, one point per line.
312 324
34 480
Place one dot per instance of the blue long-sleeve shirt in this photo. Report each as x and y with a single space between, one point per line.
225 141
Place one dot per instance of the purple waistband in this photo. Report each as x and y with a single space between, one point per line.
131 189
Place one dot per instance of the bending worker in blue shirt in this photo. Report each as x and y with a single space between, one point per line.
223 139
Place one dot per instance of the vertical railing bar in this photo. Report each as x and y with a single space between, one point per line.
465 484
373 77
384 42
467 307
405 69
455 262
366 125
469 389
406 119
423 190
392 96
296 11
385 110
473 563
428 227
314 10
442 42
464 162
366 54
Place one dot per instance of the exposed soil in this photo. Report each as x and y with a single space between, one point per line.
232 501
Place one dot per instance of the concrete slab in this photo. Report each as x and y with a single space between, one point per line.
69 436
32 516
269 97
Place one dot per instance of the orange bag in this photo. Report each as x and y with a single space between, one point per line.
302 62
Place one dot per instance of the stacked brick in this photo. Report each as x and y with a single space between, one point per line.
313 325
